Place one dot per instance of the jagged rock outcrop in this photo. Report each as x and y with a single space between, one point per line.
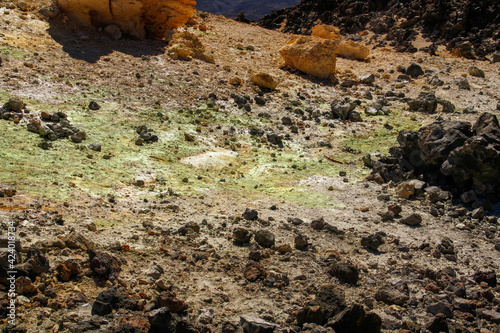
138 18
467 157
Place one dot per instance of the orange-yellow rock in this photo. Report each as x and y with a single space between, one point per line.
264 80
311 55
345 49
139 18
353 50
325 31
186 46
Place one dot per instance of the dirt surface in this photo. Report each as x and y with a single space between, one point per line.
166 211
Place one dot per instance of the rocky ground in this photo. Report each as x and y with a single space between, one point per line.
153 194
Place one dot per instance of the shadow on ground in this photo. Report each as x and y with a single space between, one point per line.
89 45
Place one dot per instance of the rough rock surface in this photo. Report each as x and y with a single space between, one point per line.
313 56
139 18
469 155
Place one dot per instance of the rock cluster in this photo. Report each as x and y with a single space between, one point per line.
50 127
145 136
57 127
452 153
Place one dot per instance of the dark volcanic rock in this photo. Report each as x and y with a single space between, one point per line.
454 153
391 296
105 302
331 298
242 235
169 300
354 320
250 214
345 272
104 264
264 238
311 314
256 325
372 242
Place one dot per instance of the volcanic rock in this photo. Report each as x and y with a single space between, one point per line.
104 264
354 319
256 325
345 272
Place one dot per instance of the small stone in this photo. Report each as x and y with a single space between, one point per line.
155 272
414 71
391 296
367 78
283 248
345 272
437 324
412 220
318 224
395 209
76 138
113 31
301 242
462 83
95 147
439 307
169 300
372 242
354 319
491 315
242 235
478 213
250 214
256 325
264 80
405 190
468 197
474 71
310 314
93 105
254 271
295 220
265 238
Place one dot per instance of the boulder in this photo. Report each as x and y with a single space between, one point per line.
311 55
138 18
438 139
425 102
476 163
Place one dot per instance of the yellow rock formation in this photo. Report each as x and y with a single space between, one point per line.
264 80
311 55
325 31
139 18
